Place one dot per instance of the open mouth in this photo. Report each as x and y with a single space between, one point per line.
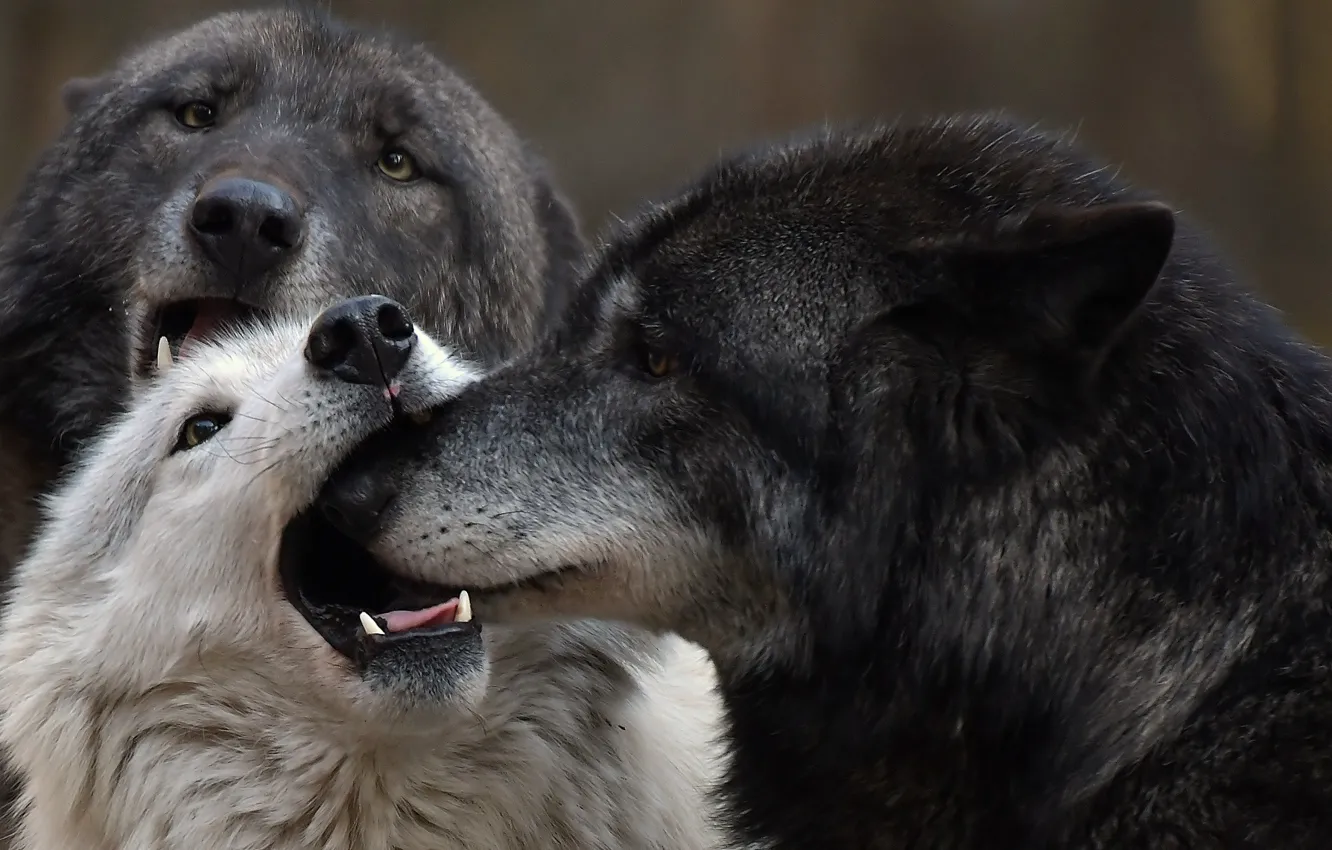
188 321
357 606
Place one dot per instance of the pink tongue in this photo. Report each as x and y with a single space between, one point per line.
401 621
212 311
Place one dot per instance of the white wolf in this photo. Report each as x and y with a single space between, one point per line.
181 664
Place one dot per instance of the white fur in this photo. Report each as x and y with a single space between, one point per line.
159 693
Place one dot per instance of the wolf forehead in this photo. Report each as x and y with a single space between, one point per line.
312 64
841 200
233 46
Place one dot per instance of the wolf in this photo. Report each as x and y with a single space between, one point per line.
254 162
1002 506
183 662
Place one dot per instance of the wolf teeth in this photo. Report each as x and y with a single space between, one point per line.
464 613
163 355
420 417
368 623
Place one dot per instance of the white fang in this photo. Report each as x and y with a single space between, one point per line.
368 623
163 355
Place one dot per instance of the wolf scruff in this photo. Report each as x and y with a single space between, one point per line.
1003 509
183 663
254 162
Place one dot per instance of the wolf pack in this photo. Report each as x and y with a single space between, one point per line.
915 485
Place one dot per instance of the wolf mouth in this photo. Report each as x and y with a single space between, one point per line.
358 607
186 321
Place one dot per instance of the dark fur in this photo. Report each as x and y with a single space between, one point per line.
474 249
1004 510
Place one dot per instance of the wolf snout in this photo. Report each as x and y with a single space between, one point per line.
364 340
245 226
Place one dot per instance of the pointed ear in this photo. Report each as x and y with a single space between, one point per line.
77 92
1069 278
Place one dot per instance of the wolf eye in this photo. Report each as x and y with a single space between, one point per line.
397 164
196 115
659 365
200 428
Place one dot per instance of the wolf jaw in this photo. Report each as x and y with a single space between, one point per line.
335 584
330 580
326 577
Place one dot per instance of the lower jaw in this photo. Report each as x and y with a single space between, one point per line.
361 647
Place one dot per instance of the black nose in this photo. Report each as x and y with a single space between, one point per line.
354 503
364 340
245 226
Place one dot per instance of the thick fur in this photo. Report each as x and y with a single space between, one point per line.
1003 509
160 693
97 239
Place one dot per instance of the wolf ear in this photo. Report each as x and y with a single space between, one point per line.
79 91
1069 278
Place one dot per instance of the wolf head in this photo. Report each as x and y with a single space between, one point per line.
801 335
178 556
265 162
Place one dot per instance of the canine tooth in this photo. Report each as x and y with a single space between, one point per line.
420 417
163 355
464 614
368 623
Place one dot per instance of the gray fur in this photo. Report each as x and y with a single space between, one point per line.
160 694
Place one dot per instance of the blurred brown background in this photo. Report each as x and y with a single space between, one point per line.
1222 104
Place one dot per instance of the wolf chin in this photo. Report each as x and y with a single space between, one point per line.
161 687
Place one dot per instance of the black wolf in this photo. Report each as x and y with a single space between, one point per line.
1003 509
255 162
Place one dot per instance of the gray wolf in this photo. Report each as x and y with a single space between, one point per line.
1003 508
178 667
256 162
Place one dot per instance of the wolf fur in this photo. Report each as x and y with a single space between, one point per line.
98 245
159 692
1004 510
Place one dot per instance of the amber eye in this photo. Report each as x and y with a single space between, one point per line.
659 365
200 429
398 165
196 115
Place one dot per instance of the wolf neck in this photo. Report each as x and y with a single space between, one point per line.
982 664
218 775
188 768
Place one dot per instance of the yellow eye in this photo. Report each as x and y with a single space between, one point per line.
398 165
200 429
196 115
660 365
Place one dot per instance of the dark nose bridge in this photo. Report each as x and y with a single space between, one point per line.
287 136
277 157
